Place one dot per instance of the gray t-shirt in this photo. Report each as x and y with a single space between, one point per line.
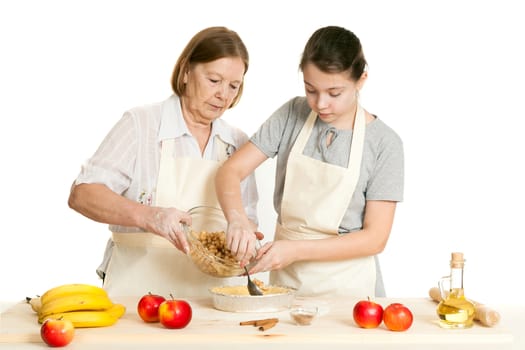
382 166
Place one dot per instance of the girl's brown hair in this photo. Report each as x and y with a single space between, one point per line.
334 50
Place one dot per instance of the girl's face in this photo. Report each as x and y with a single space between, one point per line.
211 88
332 95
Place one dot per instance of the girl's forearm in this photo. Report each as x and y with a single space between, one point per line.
228 188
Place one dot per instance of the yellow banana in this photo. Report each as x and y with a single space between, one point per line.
117 310
84 319
35 303
71 289
75 302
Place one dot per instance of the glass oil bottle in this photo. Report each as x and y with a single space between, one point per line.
454 310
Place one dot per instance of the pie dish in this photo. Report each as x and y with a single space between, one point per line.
238 299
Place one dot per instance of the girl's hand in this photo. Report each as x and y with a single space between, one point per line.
241 240
274 256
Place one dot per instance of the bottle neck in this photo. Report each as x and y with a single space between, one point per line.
456 281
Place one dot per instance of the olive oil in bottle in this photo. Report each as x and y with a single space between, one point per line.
454 310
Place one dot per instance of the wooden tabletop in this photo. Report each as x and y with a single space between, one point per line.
214 329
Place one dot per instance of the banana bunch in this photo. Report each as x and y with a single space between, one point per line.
83 304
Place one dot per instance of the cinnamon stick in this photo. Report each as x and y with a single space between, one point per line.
267 325
263 324
258 322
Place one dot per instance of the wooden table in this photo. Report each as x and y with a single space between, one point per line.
214 329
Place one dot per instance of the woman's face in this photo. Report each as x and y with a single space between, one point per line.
332 95
211 88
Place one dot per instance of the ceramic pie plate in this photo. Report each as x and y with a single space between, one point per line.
237 299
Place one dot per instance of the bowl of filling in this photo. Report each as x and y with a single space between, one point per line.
207 239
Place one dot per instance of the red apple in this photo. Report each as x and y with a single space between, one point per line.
368 314
175 313
397 317
57 332
148 307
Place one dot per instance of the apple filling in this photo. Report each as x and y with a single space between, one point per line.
243 290
209 253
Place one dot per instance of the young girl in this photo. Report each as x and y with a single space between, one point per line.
339 176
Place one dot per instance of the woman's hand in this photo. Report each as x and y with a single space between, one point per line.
167 223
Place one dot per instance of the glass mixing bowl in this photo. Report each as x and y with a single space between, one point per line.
206 237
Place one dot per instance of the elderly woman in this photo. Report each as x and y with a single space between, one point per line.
159 161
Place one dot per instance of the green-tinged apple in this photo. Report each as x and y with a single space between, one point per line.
148 307
174 313
368 314
57 332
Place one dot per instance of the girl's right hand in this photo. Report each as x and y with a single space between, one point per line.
241 240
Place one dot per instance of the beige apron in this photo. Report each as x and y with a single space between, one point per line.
145 262
315 198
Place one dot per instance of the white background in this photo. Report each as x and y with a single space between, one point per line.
448 76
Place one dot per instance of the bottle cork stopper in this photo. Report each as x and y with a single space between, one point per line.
457 260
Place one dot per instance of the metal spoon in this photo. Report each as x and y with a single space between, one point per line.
252 287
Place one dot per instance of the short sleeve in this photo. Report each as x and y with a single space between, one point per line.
114 161
270 134
387 179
